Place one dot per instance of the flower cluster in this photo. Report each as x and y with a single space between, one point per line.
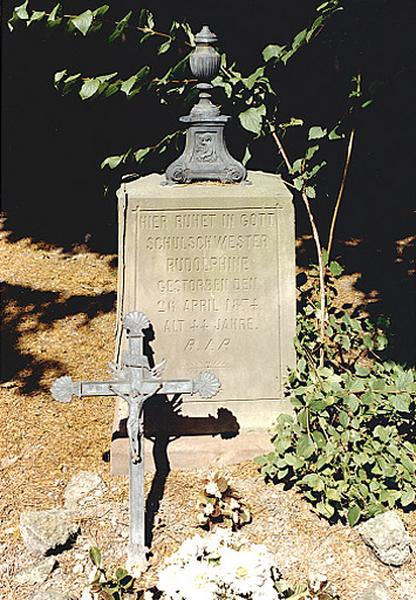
217 566
220 504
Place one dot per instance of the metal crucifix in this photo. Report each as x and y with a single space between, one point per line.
135 381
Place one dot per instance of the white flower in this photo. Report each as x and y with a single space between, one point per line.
209 509
216 566
212 489
199 581
170 580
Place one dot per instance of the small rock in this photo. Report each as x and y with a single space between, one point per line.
44 530
79 556
36 573
80 486
51 595
376 591
387 537
78 569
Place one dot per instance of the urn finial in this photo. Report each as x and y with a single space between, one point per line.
206 156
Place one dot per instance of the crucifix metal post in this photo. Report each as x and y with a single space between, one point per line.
135 381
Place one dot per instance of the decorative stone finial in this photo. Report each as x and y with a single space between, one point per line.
205 156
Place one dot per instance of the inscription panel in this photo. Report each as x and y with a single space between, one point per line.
208 279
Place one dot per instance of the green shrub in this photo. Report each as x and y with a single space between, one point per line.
350 444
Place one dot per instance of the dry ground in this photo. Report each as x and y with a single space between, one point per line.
59 318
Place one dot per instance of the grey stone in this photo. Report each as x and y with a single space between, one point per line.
51 595
37 572
387 537
83 487
45 530
213 267
376 591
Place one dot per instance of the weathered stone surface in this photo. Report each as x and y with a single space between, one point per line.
45 530
83 487
197 451
387 537
36 573
51 595
213 267
376 591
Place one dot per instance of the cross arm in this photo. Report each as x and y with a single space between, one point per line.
206 385
64 388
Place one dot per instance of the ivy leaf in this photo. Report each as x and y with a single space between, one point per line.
334 135
299 39
253 78
353 515
405 380
54 19
381 433
95 556
164 47
305 446
101 10
293 122
247 156
21 11
89 88
83 21
252 118
401 402
120 27
298 183
121 573
58 77
314 481
326 509
37 15
297 166
408 496
272 51
128 84
316 132
335 268
141 153
361 371
112 161
311 151
310 191
104 78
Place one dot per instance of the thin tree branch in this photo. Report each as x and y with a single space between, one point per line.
318 247
340 191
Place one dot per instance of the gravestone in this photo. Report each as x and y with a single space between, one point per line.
213 267
208 252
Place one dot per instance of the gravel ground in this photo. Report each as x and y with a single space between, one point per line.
58 318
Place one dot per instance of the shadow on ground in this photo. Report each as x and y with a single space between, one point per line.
25 311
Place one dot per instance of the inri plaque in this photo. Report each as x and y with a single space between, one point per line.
213 267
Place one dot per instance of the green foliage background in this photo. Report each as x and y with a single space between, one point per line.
56 144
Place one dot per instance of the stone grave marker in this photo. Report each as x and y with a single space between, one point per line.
208 252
